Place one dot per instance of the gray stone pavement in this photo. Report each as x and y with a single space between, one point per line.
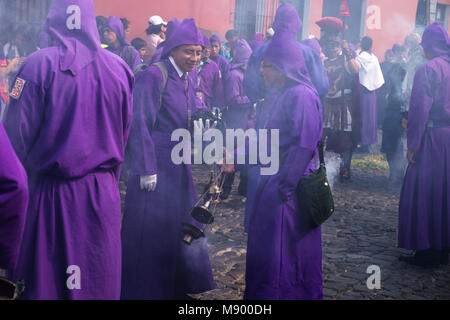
362 232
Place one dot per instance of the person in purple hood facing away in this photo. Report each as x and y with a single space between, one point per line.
115 38
424 211
69 120
13 203
286 18
160 194
257 41
239 112
209 79
284 254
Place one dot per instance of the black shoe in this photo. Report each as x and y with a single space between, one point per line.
242 189
425 259
225 194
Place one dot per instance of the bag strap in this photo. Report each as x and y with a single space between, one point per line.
320 147
129 56
165 74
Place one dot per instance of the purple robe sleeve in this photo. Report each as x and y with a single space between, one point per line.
218 89
234 90
303 118
146 105
316 70
13 203
25 117
420 105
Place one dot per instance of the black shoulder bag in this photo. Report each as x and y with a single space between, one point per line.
314 194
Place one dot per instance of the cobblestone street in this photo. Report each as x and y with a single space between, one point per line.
361 233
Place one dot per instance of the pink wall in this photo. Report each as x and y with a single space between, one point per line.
217 15
315 15
387 21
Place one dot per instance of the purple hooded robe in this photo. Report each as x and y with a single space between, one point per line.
116 25
209 81
257 41
222 62
240 108
68 121
286 18
284 254
424 211
13 203
156 263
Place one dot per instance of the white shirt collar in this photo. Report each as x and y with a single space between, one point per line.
179 71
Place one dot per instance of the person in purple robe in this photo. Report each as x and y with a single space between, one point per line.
371 79
239 107
257 41
13 203
424 211
157 264
284 254
238 112
286 18
115 38
70 114
209 79
222 62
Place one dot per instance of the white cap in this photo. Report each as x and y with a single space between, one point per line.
270 32
156 20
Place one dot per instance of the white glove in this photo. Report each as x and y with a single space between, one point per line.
148 182
198 125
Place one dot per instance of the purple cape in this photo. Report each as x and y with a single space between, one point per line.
13 203
69 129
284 255
424 213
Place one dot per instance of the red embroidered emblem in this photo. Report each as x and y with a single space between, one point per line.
18 88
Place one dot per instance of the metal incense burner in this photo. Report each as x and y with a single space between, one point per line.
10 290
205 209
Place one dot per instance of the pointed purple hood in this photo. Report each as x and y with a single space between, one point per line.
116 25
215 38
242 53
171 26
435 40
257 41
285 54
186 33
287 19
72 27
